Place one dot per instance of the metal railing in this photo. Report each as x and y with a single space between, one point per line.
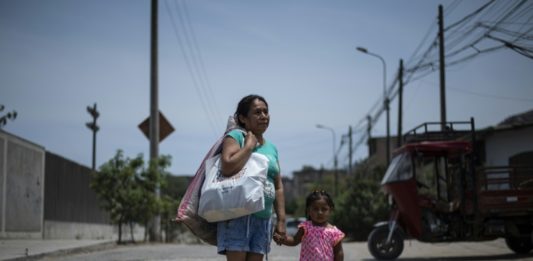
437 131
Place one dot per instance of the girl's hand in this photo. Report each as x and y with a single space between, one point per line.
279 239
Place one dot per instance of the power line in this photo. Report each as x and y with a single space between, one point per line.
466 40
520 99
194 72
198 63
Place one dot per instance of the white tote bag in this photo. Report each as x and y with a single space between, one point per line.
224 198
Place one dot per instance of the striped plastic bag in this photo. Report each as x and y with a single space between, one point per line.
188 209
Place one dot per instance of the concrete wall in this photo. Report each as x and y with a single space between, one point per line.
72 230
68 196
501 145
22 196
21 187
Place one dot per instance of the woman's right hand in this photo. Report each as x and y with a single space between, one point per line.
234 157
250 141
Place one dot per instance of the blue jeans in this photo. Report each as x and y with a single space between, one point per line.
244 234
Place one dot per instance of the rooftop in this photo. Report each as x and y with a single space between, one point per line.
521 119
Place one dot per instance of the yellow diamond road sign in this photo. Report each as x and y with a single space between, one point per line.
164 127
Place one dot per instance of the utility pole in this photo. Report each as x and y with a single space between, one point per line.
368 133
335 173
155 231
92 126
442 71
400 102
350 152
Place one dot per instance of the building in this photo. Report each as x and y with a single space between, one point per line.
377 150
308 179
510 143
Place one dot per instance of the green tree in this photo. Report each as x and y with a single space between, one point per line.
171 195
168 214
126 189
152 178
356 211
176 185
116 188
362 203
291 207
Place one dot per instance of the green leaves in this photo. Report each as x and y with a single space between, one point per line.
361 203
358 209
126 187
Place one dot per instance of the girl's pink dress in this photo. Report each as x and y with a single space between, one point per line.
318 242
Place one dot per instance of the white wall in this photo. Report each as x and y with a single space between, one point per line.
21 187
503 144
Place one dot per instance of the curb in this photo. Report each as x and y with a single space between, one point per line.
70 251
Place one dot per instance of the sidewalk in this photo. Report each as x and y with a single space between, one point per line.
29 249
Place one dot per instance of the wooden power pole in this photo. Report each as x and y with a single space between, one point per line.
155 230
442 70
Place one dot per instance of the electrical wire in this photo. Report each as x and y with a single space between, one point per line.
465 40
190 59
517 99
198 61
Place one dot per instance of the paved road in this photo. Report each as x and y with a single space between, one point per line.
414 251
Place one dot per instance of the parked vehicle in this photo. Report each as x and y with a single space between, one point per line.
292 224
438 192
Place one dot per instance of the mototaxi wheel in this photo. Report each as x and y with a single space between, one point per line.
378 246
519 245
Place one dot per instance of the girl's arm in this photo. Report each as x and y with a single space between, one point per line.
294 240
338 252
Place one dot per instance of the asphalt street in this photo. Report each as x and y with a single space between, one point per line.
414 251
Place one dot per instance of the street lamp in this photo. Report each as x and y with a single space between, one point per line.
336 181
385 97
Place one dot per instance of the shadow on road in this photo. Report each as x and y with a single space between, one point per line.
465 258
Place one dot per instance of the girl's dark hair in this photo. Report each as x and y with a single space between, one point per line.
244 107
316 195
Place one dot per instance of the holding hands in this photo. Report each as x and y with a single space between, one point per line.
280 235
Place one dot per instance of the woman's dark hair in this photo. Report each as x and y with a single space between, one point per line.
244 107
316 195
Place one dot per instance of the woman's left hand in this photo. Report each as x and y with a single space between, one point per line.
280 233
278 239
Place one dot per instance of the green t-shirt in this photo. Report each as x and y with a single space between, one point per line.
269 150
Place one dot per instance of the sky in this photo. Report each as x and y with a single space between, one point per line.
59 56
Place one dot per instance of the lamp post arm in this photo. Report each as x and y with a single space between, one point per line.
364 50
385 96
320 126
336 178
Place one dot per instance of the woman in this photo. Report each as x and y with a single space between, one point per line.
248 238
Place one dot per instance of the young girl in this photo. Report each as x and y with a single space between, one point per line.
320 240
